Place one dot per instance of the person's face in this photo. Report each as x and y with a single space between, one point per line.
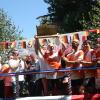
44 42
85 46
15 55
29 58
11 57
75 45
50 48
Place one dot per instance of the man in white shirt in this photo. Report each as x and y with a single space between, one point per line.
16 65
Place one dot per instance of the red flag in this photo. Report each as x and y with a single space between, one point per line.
23 44
65 39
84 38
93 30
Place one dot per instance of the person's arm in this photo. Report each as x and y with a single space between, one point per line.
79 57
37 45
26 66
86 62
98 62
67 61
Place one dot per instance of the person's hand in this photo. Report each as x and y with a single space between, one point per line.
65 80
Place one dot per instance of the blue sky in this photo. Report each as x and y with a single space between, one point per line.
24 13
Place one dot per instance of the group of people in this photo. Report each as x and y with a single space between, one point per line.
71 55
51 58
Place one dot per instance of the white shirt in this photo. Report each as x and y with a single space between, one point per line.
17 66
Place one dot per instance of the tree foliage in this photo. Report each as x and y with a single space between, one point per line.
8 31
93 36
74 15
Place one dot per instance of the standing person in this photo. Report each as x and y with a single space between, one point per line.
66 49
16 65
53 59
40 49
96 60
43 63
56 80
1 81
73 60
89 75
38 79
64 77
33 80
8 91
29 66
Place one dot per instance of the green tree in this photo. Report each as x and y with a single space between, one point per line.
74 15
8 32
93 36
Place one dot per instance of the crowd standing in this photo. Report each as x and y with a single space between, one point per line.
65 83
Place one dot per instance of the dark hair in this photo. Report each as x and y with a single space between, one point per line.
29 62
87 42
15 52
75 44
